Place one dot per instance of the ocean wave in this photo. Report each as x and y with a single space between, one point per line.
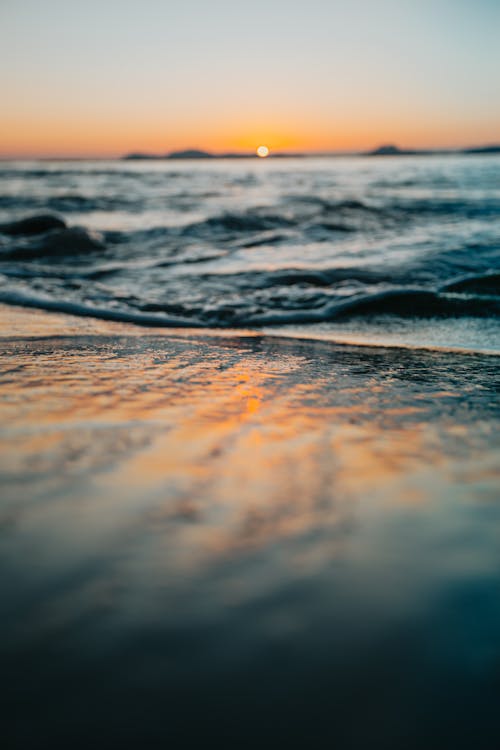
70 203
401 303
264 239
86 204
315 217
340 244
488 284
238 223
32 225
326 205
67 242
411 303
331 218
324 277
67 172
90 311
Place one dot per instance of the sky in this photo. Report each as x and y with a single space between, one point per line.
106 77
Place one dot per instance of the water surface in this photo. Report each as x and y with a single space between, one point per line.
407 245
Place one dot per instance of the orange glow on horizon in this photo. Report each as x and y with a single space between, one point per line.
92 136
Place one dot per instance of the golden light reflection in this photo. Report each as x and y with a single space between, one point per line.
210 450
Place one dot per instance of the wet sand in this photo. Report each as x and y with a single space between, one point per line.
245 540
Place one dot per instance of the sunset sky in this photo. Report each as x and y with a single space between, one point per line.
104 77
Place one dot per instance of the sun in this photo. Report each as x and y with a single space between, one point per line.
263 151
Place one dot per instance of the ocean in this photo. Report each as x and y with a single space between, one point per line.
273 520
391 251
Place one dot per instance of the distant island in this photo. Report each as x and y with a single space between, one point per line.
493 149
383 150
392 150
190 153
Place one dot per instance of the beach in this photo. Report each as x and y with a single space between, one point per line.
247 539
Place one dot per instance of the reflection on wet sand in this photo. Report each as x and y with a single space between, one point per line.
189 512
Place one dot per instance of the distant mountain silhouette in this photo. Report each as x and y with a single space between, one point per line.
491 149
190 153
138 155
391 150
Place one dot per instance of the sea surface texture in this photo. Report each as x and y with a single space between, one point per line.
401 250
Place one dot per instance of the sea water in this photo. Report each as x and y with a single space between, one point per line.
386 250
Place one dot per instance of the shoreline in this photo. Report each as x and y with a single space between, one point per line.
30 315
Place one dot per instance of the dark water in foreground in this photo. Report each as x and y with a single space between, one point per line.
398 250
248 542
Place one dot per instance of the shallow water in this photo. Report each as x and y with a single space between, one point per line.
338 246
247 541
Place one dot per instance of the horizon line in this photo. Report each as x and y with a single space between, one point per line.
386 149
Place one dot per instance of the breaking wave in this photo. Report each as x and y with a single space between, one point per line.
231 246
